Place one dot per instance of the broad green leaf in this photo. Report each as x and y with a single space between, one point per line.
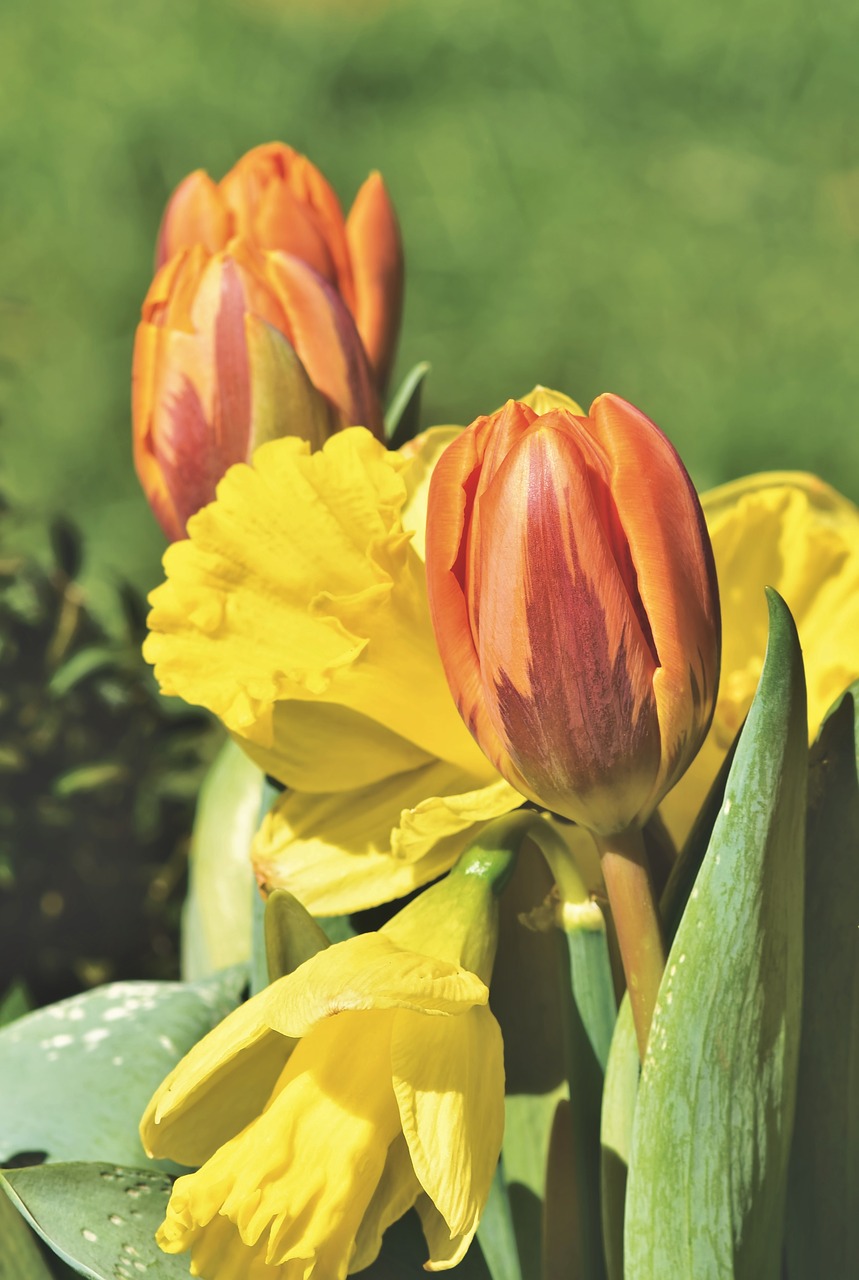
216 922
99 1218
403 419
76 1076
621 1081
822 1228
20 1257
714 1111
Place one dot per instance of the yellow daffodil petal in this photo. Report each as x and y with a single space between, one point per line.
305 733
790 531
421 454
368 972
297 1182
299 583
449 1081
217 1088
349 850
542 399
396 1193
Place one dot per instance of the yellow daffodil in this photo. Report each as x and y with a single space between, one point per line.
790 531
367 1081
297 612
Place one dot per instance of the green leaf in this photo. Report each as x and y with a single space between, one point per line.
15 1004
291 934
20 1258
259 957
822 1235
216 922
403 419
618 1112
713 1117
99 1218
76 1076
496 1234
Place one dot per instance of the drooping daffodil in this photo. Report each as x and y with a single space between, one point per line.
367 1081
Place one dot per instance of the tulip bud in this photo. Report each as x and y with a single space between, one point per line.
276 199
575 605
234 349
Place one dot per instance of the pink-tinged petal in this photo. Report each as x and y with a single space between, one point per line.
450 497
376 252
566 666
326 340
670 547
195 214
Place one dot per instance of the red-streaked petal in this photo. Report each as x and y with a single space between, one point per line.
450 495
326 340
566 668
670 547
376 252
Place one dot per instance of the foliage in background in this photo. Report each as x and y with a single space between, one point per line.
654 198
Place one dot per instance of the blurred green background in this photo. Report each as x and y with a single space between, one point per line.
650 196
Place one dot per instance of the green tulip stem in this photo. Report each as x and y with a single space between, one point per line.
636 919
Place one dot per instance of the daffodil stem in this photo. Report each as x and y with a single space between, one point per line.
637 924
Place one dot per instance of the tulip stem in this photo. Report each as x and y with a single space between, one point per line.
636 918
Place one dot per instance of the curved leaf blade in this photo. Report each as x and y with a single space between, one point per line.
714 1111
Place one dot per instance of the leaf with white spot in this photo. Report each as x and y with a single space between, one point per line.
99 1218
75 1077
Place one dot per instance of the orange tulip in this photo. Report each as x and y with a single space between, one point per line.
275 198
233 349
575 605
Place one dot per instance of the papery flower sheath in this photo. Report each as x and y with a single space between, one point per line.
574 600
296 611
369 1080
790 531
232 350
277 199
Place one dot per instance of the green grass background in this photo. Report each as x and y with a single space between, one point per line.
654 197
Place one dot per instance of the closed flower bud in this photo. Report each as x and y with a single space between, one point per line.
276 199
575 605
234 349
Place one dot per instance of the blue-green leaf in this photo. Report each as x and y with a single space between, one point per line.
714 1111
20 1258
822 1234
99 1218
76 1076
403 419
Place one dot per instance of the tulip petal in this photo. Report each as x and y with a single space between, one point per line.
195 214
298 1180
661 517
284 402
568 671
790 531
368 971
422 455
299 583
217 1088
323 333
376 252
449 1082
350 850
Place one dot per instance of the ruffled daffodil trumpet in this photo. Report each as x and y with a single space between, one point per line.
234 349
296 611
368 1081
276 198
